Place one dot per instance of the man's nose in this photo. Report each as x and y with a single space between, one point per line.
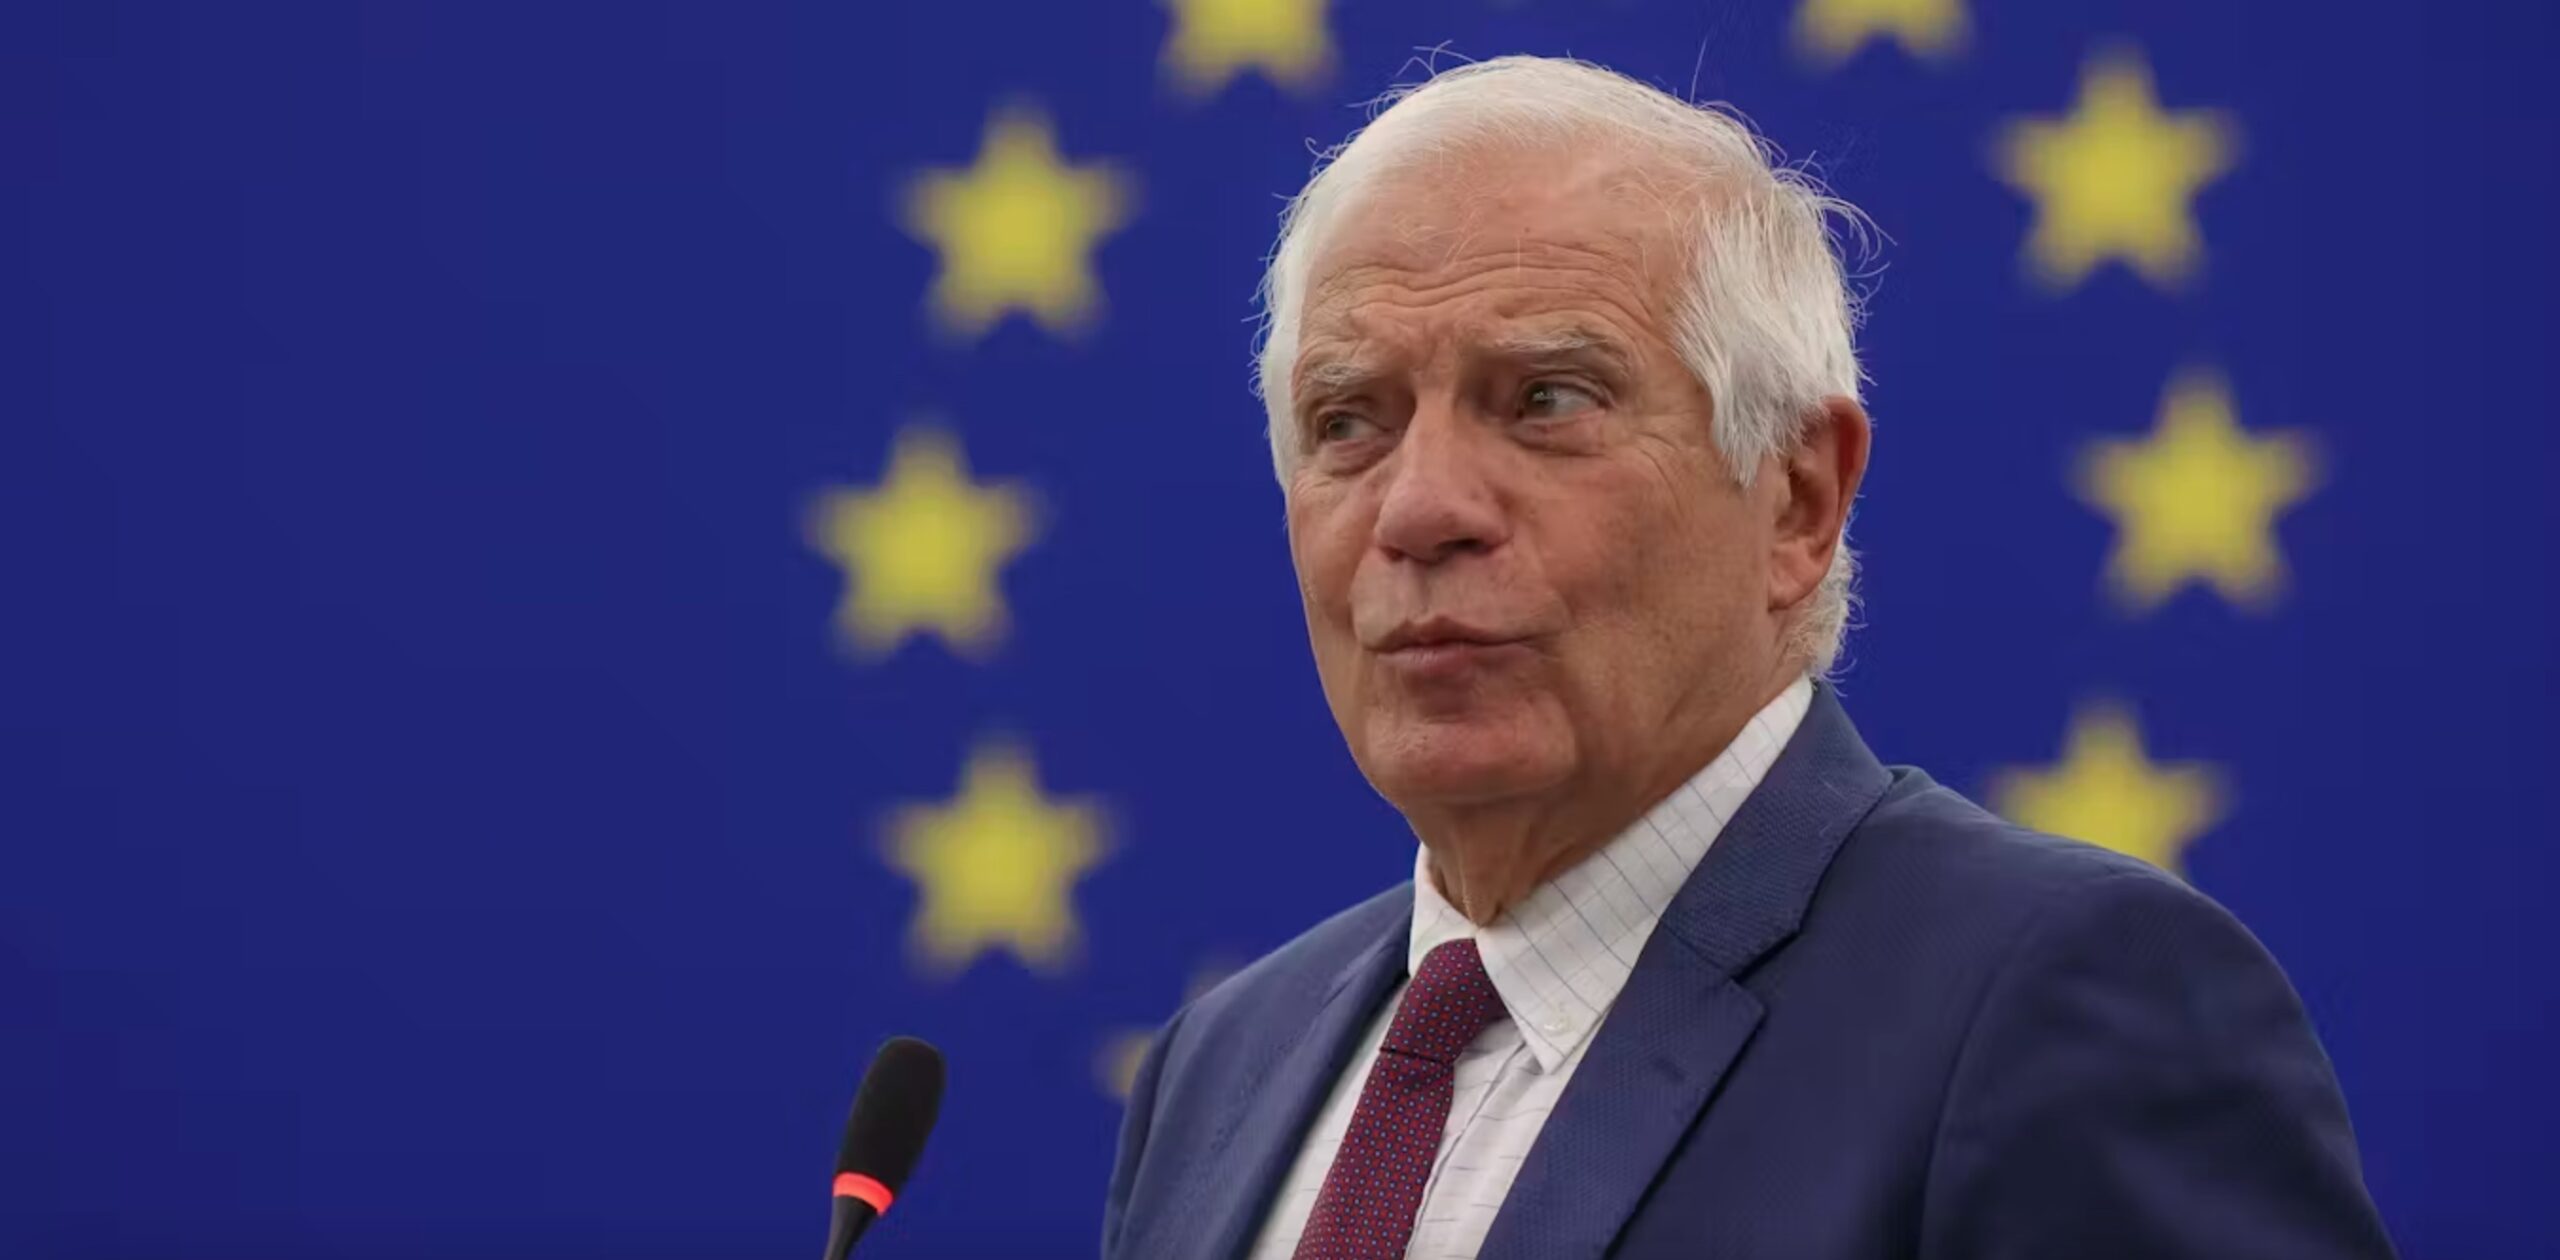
1441 498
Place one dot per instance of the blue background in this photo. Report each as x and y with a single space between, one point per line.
438 819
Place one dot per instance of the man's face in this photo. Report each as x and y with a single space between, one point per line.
1526 567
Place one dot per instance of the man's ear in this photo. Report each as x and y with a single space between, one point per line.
1822 475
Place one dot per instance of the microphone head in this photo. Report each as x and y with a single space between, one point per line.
892 1112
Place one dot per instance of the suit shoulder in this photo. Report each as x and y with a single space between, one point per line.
1924 832
1926 863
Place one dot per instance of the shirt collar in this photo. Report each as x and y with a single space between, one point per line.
1560 956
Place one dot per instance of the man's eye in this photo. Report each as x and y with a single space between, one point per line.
1341 426
1555 400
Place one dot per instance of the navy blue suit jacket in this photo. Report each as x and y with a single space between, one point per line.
1876 1022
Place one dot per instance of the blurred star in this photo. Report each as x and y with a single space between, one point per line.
1016 231
920 551
1213 40
2197 500
2107 792
995 865
2116 178
1834 30
1116 1066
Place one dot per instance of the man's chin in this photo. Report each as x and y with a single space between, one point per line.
1440 765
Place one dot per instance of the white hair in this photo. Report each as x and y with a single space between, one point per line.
1765 315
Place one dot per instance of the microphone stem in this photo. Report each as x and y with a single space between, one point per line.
852 1216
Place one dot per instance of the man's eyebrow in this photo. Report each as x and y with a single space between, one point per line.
1569 342
1333 373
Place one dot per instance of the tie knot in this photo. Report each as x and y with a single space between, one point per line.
1450 1001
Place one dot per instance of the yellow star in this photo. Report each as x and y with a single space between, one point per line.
995 865
1115 1068
2117 177
1017 230
1213 40
2106 792
920 551
2197 500
1123 1053
1834 29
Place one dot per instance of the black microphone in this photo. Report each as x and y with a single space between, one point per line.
892 1113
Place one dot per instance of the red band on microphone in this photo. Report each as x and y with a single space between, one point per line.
857 1186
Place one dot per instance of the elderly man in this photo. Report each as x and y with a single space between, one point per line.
1563 402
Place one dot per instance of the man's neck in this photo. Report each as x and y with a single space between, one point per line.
1487 857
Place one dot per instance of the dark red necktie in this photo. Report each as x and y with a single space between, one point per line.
1373 1190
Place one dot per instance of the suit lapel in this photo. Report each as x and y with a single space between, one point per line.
1258 1139
1650 1071
1683 1017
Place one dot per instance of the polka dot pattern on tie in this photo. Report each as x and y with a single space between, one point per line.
1366 1209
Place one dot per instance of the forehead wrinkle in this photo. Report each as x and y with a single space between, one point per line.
1398 255
1521 289
1354 335
1621 258
1541 279
1447 205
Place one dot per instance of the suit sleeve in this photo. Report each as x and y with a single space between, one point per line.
1134 1124
2141 1081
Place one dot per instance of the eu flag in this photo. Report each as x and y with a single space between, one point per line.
574 567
